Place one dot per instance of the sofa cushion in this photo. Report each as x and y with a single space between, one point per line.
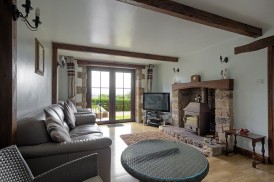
55 129
71 105
85 130
69 115
59 110
32 130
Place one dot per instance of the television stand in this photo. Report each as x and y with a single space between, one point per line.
155 121
154 118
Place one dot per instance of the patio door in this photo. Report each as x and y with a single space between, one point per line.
110 94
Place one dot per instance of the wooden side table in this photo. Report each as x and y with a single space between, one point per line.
254 137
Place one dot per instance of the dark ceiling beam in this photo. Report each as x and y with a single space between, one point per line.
97 50
109 64
195 15
256 45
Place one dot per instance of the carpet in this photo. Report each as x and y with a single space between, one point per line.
114 125
137 137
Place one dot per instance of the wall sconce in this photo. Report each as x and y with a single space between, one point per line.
61 62
16 14
223 60
176 70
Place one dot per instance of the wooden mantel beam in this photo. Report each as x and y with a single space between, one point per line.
256 45
195 15
97 50
226 84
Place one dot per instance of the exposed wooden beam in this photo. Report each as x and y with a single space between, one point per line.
97 50
109 64
270 88
255 46
8 76
195 15
54 98
226 84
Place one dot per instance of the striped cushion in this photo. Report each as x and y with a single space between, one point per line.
71 105
69 115
55 129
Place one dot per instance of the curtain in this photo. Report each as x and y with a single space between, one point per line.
71 78
149 77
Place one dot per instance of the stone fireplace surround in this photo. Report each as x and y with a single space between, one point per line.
220 101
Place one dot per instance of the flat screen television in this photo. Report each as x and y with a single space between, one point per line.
153 101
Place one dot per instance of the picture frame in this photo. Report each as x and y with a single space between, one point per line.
39 58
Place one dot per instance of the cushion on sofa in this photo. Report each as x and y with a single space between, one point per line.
31 129
69 115
58 110
55 129
85 130
71 105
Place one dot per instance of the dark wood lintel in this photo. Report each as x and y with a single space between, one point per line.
110 64
97 50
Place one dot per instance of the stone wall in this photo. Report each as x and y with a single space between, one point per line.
138 95
220 103
81 89
223 113
177 108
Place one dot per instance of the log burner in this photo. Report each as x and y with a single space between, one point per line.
196 118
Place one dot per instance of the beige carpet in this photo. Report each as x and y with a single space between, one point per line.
137 137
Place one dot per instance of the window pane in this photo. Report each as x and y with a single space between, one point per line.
119 80
119 100
95 79
127 115
127 80
127 99
105 79
104 100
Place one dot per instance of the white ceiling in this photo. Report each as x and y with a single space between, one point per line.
115 25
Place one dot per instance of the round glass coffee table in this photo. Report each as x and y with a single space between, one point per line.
163 160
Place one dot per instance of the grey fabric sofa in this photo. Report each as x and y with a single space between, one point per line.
42 153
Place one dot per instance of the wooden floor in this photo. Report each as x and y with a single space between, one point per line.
236 168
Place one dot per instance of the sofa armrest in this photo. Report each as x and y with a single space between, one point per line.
77 170
84 118
53 148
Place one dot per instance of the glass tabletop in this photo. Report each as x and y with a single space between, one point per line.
163 160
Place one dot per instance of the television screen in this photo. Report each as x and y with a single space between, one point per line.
156 102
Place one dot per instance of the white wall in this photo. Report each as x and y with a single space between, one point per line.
247 70
62 83
33 90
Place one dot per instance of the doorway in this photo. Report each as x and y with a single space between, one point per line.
110 94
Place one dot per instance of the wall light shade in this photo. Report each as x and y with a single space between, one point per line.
176 70
223 60
17 14
61 62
